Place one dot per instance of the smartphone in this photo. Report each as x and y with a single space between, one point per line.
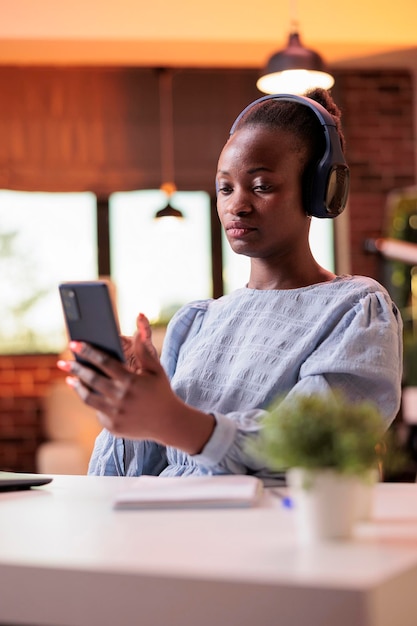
90 317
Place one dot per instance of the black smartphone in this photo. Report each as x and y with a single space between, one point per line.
90 316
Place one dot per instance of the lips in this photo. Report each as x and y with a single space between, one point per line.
238 229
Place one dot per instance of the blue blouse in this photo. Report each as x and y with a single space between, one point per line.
233 356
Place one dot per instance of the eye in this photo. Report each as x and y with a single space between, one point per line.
262 187
224 188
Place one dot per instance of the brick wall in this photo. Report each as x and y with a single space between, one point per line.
24 381
378 122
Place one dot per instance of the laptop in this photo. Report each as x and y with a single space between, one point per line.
15 481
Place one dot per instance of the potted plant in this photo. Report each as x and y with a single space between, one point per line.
329 449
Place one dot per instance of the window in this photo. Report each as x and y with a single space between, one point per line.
158 264
45 238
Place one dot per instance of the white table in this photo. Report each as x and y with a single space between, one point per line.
67 558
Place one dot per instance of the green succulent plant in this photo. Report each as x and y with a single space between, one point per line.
322 431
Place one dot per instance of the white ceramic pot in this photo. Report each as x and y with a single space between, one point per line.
325 504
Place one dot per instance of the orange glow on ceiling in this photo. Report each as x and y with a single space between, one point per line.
201 34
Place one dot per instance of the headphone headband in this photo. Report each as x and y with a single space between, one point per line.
326 188
325 118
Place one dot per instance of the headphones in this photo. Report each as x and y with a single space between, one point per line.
326 184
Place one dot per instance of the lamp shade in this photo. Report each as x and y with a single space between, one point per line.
169 211
294 70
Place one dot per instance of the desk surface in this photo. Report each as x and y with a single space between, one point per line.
67 558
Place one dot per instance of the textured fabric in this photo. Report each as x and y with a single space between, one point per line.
233 356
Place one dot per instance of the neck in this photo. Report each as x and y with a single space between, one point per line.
264 277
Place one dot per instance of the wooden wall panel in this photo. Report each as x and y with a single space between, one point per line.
205 105
78 129
97 129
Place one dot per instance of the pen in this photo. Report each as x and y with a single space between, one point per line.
286 501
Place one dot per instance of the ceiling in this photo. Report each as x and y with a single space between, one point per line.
216 33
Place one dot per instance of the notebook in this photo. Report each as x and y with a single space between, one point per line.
14 481
159 492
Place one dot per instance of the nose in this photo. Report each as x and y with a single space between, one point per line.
238 203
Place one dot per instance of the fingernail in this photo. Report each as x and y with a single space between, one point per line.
75 346
64 365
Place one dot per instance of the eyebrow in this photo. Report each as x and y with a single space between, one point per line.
260 168
253 170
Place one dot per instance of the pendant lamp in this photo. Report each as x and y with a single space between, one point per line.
167 143
295 69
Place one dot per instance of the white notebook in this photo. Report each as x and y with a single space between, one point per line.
159 492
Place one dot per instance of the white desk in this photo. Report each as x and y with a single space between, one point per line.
68 559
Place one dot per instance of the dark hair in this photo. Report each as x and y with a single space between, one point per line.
298 120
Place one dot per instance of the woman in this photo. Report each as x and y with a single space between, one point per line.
294 328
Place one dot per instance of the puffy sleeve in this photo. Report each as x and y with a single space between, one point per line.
361 356
115 456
